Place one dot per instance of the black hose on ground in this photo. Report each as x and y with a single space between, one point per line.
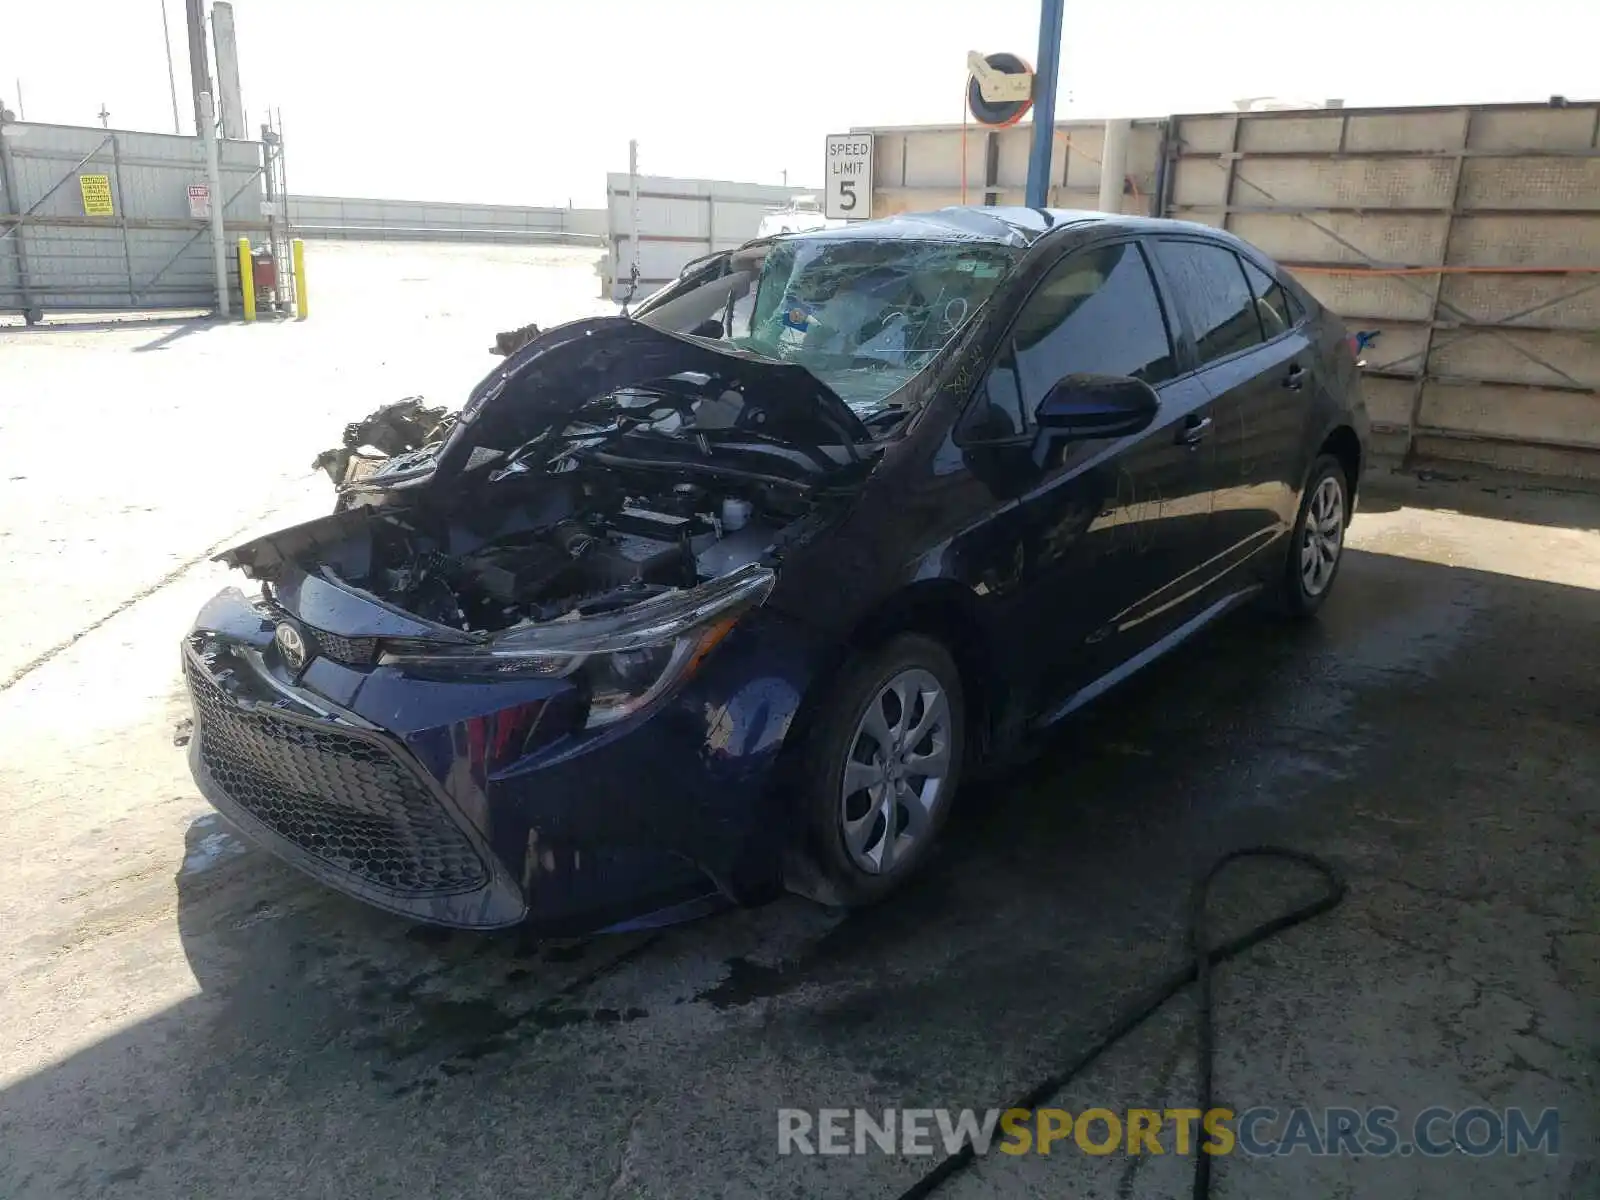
1199 972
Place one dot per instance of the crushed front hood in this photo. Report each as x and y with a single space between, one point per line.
541 385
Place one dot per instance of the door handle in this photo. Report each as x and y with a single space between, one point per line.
1295 378
1193 430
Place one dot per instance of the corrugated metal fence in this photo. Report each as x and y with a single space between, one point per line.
97 219
931 166
1468 236
418 220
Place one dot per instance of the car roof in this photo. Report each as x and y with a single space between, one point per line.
1008 226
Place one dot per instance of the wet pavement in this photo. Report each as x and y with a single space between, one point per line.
186 1017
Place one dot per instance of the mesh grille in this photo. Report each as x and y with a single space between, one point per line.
348 802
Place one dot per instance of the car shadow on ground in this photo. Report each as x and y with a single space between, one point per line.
332 1049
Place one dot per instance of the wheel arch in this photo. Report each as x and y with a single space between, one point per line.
1344 445
945 611
942 610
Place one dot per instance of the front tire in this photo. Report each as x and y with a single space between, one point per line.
880 772
1316 548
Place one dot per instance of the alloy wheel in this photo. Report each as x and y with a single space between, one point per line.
1323 537
897 772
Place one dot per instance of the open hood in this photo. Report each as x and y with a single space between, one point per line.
538 389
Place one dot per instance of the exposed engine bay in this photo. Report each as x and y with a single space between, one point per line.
590 548
524 546
608 463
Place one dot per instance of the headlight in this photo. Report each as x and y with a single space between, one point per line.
623 683
621 661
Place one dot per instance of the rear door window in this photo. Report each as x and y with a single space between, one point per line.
1210 284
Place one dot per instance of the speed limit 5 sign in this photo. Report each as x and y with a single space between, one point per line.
849 191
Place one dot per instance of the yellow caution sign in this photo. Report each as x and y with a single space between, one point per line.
96 195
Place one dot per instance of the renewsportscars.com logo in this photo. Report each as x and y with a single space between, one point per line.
1257 1132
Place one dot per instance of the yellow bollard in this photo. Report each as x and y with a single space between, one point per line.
247 279
302 303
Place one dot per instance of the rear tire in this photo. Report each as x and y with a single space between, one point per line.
879 772
1316 547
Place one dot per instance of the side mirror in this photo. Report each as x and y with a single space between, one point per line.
1080 407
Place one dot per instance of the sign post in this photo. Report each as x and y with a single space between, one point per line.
848 196
1044 102
219 251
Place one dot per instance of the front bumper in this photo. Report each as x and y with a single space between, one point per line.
478 805
335 798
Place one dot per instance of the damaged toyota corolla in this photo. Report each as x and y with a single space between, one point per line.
691 606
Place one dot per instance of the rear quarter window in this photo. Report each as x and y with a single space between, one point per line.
1272 301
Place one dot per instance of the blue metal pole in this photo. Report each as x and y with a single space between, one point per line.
1044 101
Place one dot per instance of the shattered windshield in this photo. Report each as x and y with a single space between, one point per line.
862 315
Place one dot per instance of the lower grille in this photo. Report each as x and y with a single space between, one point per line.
351 803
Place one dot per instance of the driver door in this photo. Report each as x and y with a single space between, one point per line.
1107 527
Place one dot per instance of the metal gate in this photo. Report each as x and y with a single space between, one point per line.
94 219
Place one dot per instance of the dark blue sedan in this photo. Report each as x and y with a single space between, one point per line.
724 597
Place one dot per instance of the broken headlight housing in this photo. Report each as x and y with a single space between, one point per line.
621 661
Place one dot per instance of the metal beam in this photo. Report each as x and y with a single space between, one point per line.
1231 158
1415 377
199 66
1367 210
1044 101
1419 388
230 100
71 221
1360 155
172 78
1477 435
1383 110
19 251
1393 269
1114 165
219 238
122 217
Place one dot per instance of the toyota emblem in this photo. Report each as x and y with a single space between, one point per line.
291 644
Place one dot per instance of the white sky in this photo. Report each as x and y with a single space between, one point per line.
533 101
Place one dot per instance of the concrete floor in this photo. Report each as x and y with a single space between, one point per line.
185 1017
